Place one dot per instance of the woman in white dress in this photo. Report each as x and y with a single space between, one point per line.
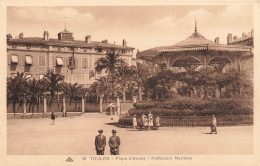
134 122
150 120
146 123
214 125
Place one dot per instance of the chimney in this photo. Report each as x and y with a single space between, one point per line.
252 33
243 34
88 39
46 35
124 42
104 41
229 38
217 40
21 35
8 37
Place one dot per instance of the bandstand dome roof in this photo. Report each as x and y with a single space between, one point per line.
194 42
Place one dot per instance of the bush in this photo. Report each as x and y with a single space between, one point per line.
195 106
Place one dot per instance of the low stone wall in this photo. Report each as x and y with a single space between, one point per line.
40 115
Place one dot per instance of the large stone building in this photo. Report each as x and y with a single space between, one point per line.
74 59
247 39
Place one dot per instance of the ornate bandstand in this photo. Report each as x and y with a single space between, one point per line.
197 52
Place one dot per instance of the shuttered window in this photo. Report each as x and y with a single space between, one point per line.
42 61
14 59
28 60
84 62
59 61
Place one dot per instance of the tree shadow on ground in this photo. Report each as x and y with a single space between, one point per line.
112 123
206 133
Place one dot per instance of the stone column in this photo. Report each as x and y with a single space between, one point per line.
24 107
205 62
101 104
118 106
83 106
64 106
44 107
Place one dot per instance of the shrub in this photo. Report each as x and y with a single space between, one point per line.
195 106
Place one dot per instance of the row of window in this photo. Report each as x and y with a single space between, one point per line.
75 78
58 61
28 46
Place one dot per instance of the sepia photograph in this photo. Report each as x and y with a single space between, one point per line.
167 82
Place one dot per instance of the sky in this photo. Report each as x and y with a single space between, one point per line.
143 27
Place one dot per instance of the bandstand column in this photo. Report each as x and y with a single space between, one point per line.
24 107
118 105
64 106
83 105
44 106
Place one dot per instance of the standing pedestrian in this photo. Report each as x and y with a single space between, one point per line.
146 123
157 121
214 125
140 122
134 122
150 120
53 117
143 118
100 143
114 143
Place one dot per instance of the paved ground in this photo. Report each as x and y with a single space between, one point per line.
75 136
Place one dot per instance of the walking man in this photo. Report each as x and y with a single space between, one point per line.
114 143
100 143
53 117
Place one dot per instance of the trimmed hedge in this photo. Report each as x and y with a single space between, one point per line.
195 106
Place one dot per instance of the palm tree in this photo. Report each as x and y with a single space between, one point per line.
73 91
110 62
104 86
141 73
35 91
16 89
53 82
123 77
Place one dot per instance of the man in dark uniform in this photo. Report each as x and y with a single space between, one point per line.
100 143
114 143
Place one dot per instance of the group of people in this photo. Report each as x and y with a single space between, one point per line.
146 121
100 143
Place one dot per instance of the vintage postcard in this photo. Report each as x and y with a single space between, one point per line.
129 83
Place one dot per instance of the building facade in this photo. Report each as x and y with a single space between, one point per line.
74 59
247 63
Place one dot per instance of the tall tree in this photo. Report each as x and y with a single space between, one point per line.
104 86
141 73
53 82
35 91
74 90
123 77
17 89
110 62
